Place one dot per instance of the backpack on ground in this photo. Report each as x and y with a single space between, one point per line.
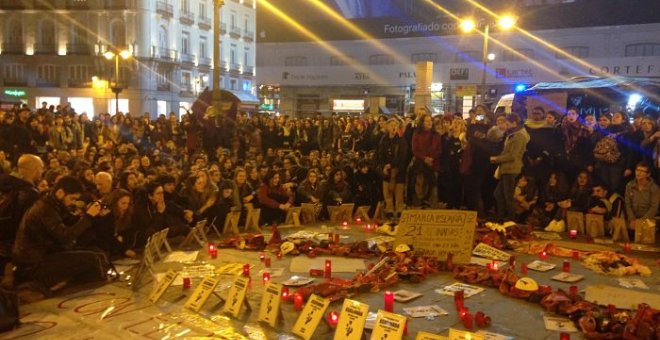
607 150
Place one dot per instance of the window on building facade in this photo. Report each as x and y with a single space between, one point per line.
163 37
381 59
202 47
186 80
14 33
202 9
246 22
340 61
233 84
46 34
575 51
467 56
163 77
118 34
79 72
417 57
47 72
14 71
185 42
295 61
523 54
643 50
246 57
232 54
185 6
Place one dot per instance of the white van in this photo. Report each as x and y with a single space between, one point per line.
505 103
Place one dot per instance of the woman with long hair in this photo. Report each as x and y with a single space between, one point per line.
426 148
115 233
200 194
274 198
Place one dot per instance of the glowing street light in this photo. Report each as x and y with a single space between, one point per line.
124 54
505 23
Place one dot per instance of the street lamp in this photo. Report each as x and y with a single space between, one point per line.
124 54
217 95
505 23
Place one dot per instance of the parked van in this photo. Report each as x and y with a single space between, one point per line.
505 103
592 95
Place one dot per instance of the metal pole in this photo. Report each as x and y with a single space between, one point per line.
484 62
217 99
117 83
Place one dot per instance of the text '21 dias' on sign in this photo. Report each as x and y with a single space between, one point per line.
438 233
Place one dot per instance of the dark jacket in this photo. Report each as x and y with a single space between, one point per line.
393 151
44 231
24 195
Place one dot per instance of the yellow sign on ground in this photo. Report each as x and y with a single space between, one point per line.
270 303
438 233
429 336
388 326
236 296
161 286
201 294
310 317
352 318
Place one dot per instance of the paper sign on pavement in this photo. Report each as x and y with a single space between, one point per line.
559 324
425 311
632 283
486 251
270 303
351 320
388 326
310 317
468 290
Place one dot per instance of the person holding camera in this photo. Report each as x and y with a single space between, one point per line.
45 251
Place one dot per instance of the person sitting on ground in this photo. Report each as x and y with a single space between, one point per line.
525 196
603 203
274 198
642 197
44 252
115 234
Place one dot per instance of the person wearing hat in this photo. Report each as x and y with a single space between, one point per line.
392 160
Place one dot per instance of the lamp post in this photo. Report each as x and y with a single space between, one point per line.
505 23
124 54
217 95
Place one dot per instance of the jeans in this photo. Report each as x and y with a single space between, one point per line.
504 196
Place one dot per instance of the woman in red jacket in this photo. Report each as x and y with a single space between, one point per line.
274 199
426 148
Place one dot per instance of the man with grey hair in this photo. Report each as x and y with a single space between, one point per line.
103 181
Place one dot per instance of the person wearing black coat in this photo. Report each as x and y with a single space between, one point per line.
392 159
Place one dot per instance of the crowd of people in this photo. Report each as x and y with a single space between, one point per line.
78 191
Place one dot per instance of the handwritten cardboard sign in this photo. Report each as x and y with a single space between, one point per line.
270 303
310 317
438 233
455 334
595 225
351 320
161 286
429 336
488 252
388 326
236 296
201 294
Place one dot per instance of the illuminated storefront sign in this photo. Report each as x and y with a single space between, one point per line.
15 92
348 105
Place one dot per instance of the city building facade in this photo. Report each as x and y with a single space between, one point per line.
301 76
53 51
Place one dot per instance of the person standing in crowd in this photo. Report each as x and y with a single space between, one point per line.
641 197
44 254
510 163
392 161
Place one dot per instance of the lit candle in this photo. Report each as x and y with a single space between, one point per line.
459 298
523 268
626 247
285 293
389 301
566 267
572 233
211 247
246 270
267 262
186 283
468 321
573 290
262 257
576 255
214 253
333 319
494 266
463 312
279 255
328 269
543 255
564 336
344 225
297 301
266 277
358 220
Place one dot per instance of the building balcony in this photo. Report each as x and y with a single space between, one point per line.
163 87
14 4
45 48
164 54
10 48
224 66
248 35
205 61
248 3
164 9
249 70
186 89
47 83
77 4
78 49
77 82
15 81
115 4
186 18
204 23
234 67
223 28
235 32
187 58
